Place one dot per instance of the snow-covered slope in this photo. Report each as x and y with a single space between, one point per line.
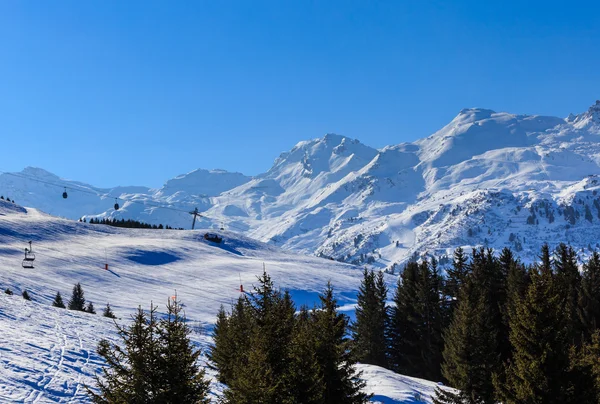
486 178
48 354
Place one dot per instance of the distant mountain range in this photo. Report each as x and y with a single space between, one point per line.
485 179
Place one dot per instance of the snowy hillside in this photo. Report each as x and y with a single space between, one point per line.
486 178
48 354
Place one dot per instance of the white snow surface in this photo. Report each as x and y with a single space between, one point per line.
48 354
485 179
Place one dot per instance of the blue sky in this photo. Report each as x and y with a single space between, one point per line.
135 92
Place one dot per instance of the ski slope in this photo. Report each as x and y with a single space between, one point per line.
48 354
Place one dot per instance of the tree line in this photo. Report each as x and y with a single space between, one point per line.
129 224
495 329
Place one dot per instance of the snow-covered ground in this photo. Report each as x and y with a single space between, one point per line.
48 354
487 178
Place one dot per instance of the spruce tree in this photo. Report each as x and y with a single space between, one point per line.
369 329
58 301
471 341
538 372
568 283
455 278
108 312
589 299
264 374
404 354
431 313
416 322
8 292
26 295
90 308
306 382
182 380
342 382
132 373
585 365
77 301
222 353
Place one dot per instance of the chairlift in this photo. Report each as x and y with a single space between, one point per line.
29 257
116 204
65 194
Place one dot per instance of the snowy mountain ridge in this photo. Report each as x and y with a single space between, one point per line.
486 179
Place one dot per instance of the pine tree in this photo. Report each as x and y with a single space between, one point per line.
108 312
471 341
8 292
58 301
589 299
230 336
431 313
585 365
568 283
538 372
369 329
77 301
416 322
306 382
455 278
132 374
26 295
90 308
403 347
342 383
182 380
264 375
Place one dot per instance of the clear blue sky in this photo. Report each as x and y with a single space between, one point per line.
136 92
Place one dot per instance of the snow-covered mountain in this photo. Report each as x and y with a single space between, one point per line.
486 178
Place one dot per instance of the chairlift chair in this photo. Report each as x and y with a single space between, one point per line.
29 257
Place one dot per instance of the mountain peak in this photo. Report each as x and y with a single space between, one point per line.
38 173
589 118
473 114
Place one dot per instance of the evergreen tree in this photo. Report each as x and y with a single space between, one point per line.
342 382
264 375
568 284
108 312
471 341
58 301
538 372
585 364
77 301
90 308
156 363
369 329
404 355
182 380
455 278
589 299
132 374
26 295
8 292
306 382
230 336
416 322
